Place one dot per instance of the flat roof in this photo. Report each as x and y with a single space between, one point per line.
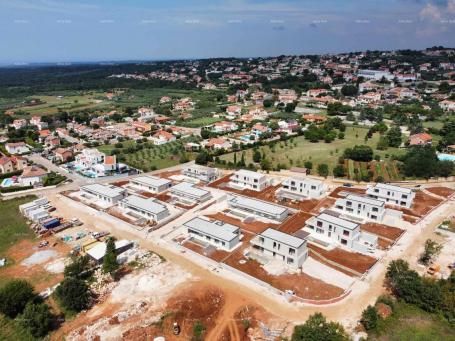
365 199
217 229
151 181
393 188
200 168
108 191
150 204
337 221
283 237
302 179
189 189
248 173
258 205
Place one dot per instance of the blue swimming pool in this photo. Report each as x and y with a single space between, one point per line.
7 182
446 157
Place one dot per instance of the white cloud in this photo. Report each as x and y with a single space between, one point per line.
430 12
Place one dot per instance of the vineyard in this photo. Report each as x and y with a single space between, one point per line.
388 170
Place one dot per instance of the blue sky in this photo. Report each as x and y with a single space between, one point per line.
82 30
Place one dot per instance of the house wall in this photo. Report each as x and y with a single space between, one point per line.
293 257
335 232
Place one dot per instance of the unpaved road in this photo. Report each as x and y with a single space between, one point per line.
346 311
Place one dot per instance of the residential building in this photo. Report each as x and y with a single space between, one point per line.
258 207
301 189
32 175
12 164
16 148
203 173
106 193
151 183
289 249
149 208
246 179
89 158
63 155
217 233
392 194
362 207
162 137
218 143
98 252
19 123
189 193
375 74
224 127
447 105
420 139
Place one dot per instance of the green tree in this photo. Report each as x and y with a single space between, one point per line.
431 250
370 318
266 165
202 158
339 171
257 156
78 267
110 264
394 136
349 90
73 294
323 170
308 165
14 296
37 318
316 328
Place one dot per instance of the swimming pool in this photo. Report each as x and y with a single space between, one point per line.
446 157
7 182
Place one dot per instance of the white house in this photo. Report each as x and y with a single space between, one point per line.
206 174
89 158
329 229
189 193
224 127
250 206
246 179
392 194
301 189
16 148
106 193
151 183
149 208
289 249
32 175
217 233
375 74
362 207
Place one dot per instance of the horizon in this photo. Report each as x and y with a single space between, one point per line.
47 31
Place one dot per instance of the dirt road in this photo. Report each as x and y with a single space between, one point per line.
347 311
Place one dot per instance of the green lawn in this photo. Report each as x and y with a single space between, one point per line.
298 150
410 323
13 227
150 157
199 122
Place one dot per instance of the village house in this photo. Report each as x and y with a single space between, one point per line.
52 141
447 105
392 194
314 118
249 206
89 158
259 129
146 114
12 164
224 127
286 95
141 127
32 175
301 189
165 99
108 194
271 243
149 208
162 137
420 139
63 155
233 110
217 143
19 123
246 179
151 184
189 193
16 148
184 104
361 207
203 173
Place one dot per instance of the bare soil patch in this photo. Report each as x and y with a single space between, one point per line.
441 191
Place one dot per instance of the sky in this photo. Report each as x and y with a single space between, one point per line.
102 30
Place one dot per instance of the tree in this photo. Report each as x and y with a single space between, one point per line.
257 156
110 264
73 294
359 153
14 296
78 267
431 249
420 161
37 318
349 90
205 133
339 171
370 318
323 170
445 168
394 136
316 328
266 164
308 165
202 158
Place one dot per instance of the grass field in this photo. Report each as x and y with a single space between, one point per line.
298 150
199 122
13 227
150 157
410 323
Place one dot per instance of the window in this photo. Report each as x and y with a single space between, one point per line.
375 209
290 260
261 239
344 242
291 251
346 233
319 223
348 203
404 196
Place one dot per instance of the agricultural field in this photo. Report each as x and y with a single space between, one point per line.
73 101
410 323
294 152
147 157
199 122
387 169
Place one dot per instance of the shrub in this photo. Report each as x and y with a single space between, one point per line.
370 318
37 318
73 294
14 296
